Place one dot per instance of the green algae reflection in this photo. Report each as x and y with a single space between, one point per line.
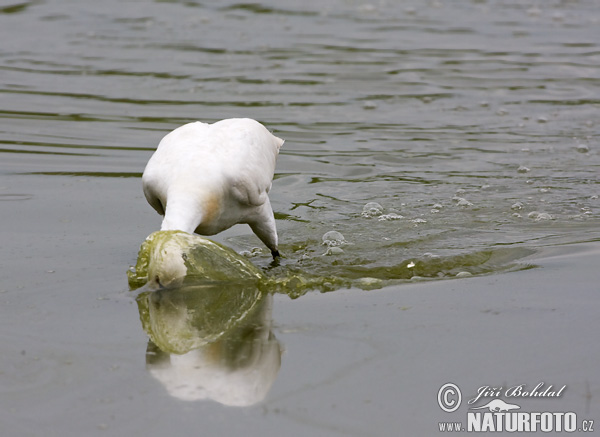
211 342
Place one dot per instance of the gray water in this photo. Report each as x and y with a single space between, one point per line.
473 124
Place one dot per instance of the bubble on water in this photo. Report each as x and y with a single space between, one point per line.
463 274
461 201
369 105
517 215
369 283
367 8
517 206
255 251
334 250
410 265
582 148
542 119
419 220
523 169
461 191
501 112
544 190
372 209
390 216
594 196
333 239
540 216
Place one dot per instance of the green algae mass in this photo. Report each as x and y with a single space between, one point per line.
174 258
170 259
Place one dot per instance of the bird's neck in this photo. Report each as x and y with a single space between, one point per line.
179 216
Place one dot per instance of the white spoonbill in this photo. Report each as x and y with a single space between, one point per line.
205 178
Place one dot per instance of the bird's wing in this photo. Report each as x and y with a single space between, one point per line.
252 153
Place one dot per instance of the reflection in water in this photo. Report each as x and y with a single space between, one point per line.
208 319
211 342
207 310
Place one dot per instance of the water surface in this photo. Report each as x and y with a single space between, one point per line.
472 124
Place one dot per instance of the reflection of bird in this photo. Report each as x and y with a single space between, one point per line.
209 177
211 342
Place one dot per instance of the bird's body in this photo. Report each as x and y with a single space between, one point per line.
205 178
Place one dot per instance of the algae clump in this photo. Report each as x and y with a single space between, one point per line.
173 258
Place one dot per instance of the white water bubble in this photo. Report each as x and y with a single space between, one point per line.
369 105
334 250
436 208
390 216
461 201
255 251
523 169
516 206
419 220
542 119
372 209
540 216
463 274
369 283
582 148
333 239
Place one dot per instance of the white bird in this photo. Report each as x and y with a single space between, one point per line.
205 178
